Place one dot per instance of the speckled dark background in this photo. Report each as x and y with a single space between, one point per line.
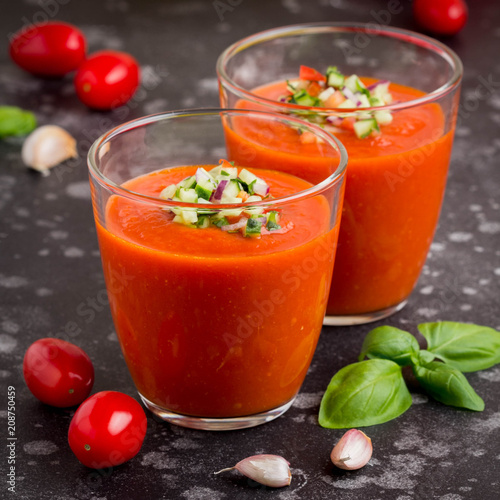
50 272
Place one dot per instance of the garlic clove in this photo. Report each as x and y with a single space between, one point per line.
47 146
270 470
353 451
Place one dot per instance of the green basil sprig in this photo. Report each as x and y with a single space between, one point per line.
464 346
388 342
373 391
447 385
366 393
15 121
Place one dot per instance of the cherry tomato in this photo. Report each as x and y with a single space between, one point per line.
107 429
48 49
107 79
307 73
57 372
442 17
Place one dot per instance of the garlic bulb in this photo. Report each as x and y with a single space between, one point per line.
353 451
270 470
47 146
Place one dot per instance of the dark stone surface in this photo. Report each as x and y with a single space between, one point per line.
51 282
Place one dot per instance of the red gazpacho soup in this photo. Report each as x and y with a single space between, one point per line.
395 183
213 323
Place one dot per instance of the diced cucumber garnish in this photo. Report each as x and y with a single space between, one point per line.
203 221
354 84
231 188
253 228
334 77
169 192
188 183
363 128
383 117
303 98
188 195
231 191
273 221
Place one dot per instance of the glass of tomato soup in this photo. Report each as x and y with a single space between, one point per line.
391 97
217 270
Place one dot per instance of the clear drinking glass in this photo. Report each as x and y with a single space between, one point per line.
217 329
396 180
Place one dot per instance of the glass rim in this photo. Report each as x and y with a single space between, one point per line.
94 151
418 39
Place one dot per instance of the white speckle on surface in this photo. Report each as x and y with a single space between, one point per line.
475 208
437 247
44 292
159 460
22 212
45 223
491 424
40 447
467 290
484 281
4 373
58 234
489 227
477 453
293 6
478 249
427 312
427 290
112 337
201 493
73 252
497 271
185 444
208 86
465 307
419 399
307 400
9 326
101 36
460 237
43 252
492 375
155 106
79 190
450 496
50 196
12 281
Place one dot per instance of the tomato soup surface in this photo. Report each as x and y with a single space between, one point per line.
211 323
395 184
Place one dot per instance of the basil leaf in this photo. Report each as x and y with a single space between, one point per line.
365 393
466 347
15 121
447 385
388 342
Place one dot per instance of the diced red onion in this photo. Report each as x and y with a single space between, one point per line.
217 194
349 94
202 175
336 121
373 85
260 188
237 225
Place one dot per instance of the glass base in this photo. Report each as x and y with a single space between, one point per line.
216 424
361 319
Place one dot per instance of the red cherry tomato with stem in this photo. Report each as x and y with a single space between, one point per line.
57 372
49 49
107 79
107 429
441 17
